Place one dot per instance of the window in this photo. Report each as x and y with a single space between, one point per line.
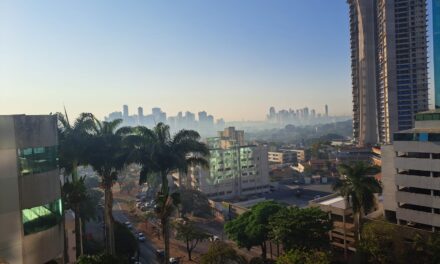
38 160
42 217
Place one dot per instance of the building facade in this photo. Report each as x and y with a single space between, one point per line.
436 31
31 229
411 174
282 157
236 169
389 66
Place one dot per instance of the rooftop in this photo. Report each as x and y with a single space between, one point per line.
337 202
432 115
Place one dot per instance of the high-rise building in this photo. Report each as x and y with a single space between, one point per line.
436 30
31 214
411 174
389 66
236 169
202 116
140 112
326 110
125 111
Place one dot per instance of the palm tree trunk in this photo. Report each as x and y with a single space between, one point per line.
188 248
74 171
109 221
78 229
357 227
166 239
78 232
263 250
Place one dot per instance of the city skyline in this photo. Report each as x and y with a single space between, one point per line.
255 63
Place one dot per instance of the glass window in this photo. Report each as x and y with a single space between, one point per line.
38 160
42 217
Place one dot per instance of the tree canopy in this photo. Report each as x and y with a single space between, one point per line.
299 256
221 253
298 228
252 228
190 235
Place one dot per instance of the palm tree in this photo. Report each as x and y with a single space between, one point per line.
358 187
72 149
161 154
74 193
108 156
72 141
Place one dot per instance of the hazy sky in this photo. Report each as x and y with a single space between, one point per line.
232 58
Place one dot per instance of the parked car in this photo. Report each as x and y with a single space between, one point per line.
160 253
214 238
141 238
128 224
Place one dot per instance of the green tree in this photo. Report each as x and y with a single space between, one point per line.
358 187
74 194
298 228
252 228
72 149
190 234
108 155
160 155
379 243
299 256
221 253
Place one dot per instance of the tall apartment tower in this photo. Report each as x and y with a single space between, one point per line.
125 111
436 30
389 66
363 67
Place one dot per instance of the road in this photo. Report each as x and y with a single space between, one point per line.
146 249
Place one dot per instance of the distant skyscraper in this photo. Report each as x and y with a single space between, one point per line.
326 110
436 23
125 111
140 112
389 66
202 116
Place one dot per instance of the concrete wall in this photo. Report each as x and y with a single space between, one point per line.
10 213
18 192
41 188
388 178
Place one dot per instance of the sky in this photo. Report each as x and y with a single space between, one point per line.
231 58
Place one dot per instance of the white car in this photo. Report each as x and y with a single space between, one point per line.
128 224
214 238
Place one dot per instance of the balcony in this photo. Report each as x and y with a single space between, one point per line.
417 164
418 199
418 217
418 181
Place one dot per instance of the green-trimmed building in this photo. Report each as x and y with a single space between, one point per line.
236 169
31 229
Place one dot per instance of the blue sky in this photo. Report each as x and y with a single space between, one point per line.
232 58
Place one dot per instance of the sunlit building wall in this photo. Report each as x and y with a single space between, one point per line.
389 66
436 23
236 169
31 229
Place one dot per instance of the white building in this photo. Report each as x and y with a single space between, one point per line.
411 174
236 170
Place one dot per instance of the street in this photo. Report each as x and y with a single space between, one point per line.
146 249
